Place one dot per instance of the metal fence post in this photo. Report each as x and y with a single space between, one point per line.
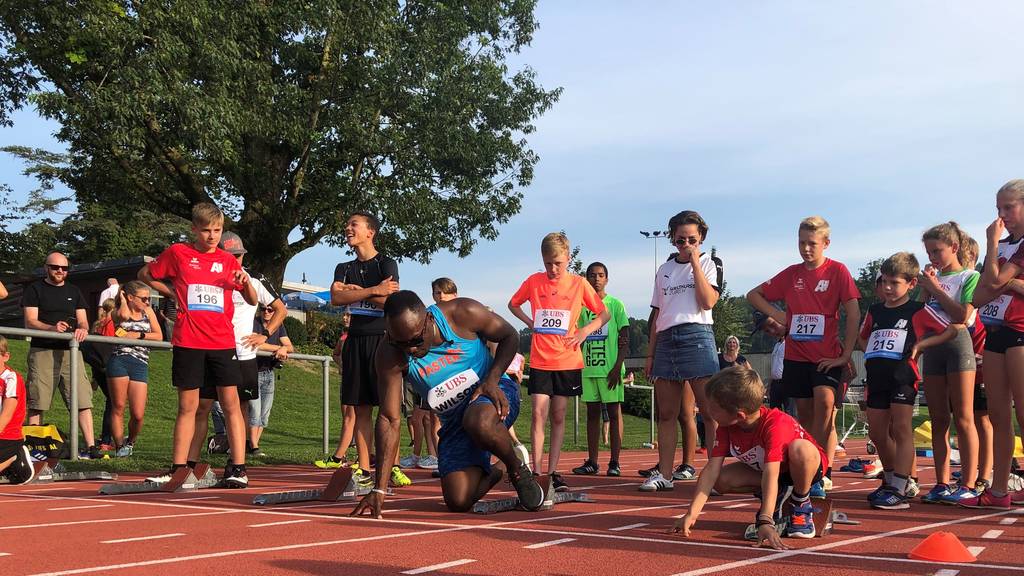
576 421
73 409
327 401
652 415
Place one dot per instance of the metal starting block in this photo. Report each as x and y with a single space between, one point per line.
340 488
53 470
184 479
551 498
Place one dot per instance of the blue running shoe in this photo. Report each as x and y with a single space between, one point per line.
889 499
935 495
801 521
855 465
817 490
874 493
955 496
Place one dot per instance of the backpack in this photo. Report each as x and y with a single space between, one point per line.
46 440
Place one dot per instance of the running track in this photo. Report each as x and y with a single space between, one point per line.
67 528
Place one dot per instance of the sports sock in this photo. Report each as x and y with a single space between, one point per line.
191 464
799 499
899 483
887 474
828 471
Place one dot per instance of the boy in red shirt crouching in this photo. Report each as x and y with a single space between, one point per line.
15 460
775 453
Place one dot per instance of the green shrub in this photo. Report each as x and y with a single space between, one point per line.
314 349
638 401
296 331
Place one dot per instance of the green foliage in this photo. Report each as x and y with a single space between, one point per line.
865 281
316 348
288 114
296 331
732 318
639 336
324 329
637 402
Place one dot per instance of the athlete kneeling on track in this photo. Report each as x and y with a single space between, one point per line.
15 461
773 450
442 350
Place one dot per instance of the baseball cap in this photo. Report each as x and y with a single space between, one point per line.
232 243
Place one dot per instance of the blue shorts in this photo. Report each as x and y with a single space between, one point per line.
121 365
685 352
456 450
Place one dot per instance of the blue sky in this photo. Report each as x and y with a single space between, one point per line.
883 117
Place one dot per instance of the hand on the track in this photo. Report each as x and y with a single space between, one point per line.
497 396
768 537
684 524
372 503
995 230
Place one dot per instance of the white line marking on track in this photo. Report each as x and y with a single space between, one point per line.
855 483
628 527
141 538
946 572
549 543
1008 521
976 550
192 499
281 523
5 553
992 534
451 564
742 505
130 519
80 507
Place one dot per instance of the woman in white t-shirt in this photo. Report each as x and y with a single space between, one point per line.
682 353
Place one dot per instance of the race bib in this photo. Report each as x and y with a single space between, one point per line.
450 393
205 298
753 457
364 308
807 327
548 321
994 313
886 343
599 334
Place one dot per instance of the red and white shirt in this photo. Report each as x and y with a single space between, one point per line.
767 442
813 299
1008 308
203 285
12 386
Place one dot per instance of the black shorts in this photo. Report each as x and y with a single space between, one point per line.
358 374
885 388
10 449
786 480
999 340
248 389
799 379
555 382
776 394
192 368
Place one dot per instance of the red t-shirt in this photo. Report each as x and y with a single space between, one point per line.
813 299
12 386
767 442
203 283
555 307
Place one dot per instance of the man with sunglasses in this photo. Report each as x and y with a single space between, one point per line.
53 305
443 351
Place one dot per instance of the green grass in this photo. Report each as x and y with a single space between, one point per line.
295 432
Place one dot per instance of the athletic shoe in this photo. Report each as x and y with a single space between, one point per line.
913 488
960 493
235 477
588 468
361 478
124 451
817 491
935 495
987 500
255 452
956 475
1017 497
855 465
529 491
427 462
330 462
398 478
522 453
93 453
889 499
840 453
874 493
435 473
165 477
107 447
656 483
981 485
684 472
409 461
646 472
613 468
826 483
1015 483
873 470
558 482
801 521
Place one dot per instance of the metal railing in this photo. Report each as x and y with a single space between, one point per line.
73 346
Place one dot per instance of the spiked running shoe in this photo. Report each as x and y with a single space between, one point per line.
398 478
956 495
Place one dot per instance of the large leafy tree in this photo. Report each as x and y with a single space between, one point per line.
289 114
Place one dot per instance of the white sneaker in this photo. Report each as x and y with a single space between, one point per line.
428 462
912 489
656 483
1016 483
409 461
826 483
523 454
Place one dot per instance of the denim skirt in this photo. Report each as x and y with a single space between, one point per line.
685 352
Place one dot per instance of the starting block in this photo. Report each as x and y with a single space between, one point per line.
551 498
340 488
53 470
184 479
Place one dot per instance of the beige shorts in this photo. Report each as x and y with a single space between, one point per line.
46 367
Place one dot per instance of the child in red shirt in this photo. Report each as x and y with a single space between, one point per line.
15 460
774 452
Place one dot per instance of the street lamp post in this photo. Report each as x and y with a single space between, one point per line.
655 235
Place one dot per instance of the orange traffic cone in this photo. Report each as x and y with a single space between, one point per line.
942 547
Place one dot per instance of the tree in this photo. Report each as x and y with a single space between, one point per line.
866 284
289 114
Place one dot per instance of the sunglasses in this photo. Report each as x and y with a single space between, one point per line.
56 267
413 342
143 298
268 310
683 241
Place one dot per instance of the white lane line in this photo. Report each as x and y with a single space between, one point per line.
1008 521
549 543
992 534
976 550
139 539
193 498
130 519
855 483
628 527
741 505
5 553
426 569
282 523
946 572
80 507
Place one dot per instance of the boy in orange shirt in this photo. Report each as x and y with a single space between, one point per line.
556 298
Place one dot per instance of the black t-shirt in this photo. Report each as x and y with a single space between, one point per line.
268 362
723 363
367 319
55 303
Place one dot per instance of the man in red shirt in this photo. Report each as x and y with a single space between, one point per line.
15 460
203 278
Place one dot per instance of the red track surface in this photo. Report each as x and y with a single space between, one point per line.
67 528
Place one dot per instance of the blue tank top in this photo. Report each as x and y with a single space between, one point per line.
450 372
